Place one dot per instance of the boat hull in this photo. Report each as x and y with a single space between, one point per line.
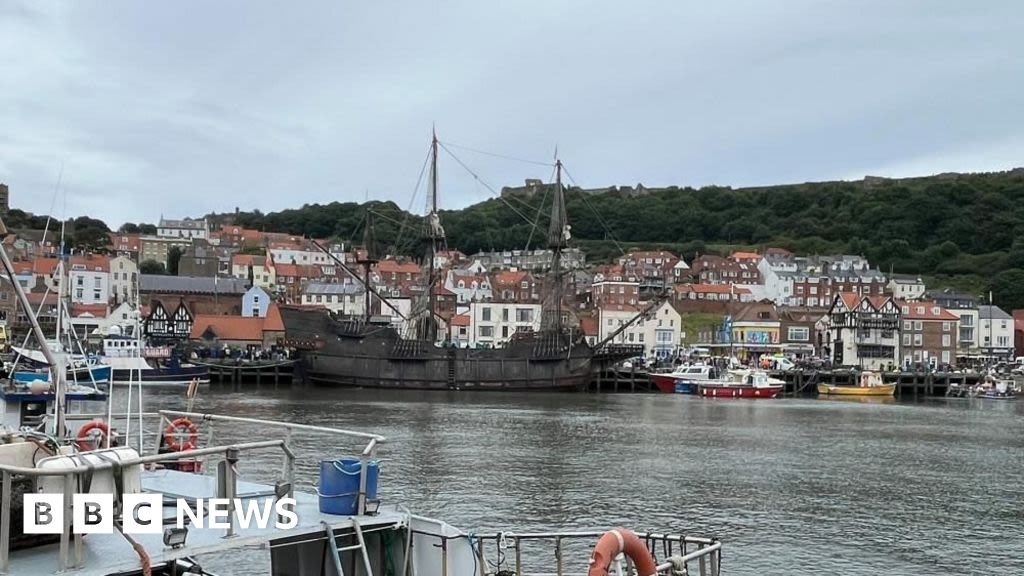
883 390
720 391
343 353
100 375
166 376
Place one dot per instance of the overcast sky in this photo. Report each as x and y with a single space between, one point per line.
182 108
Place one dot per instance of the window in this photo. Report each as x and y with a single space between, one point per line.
918 325
945 356
799 334
524 315
945 339
96 295
917 339
485 314
504 331
641 338
610 322
946 326
96 282
504 314
486 331
79 281
908 325
78 293
906 339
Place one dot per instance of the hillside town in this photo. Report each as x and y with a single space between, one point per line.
227 282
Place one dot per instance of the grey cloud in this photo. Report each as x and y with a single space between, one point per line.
188 107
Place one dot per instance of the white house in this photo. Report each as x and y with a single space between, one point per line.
468 287
493 324
187 228
904 287
995 331
658 331
346 299
89 276
124 276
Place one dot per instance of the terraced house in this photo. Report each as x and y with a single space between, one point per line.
929 335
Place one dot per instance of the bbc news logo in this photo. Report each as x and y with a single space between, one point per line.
144 513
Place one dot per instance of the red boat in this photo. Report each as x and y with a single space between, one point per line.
750 384
684 379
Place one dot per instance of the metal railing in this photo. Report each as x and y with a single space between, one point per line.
229 453
673 553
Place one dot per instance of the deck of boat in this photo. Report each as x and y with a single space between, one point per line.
104 554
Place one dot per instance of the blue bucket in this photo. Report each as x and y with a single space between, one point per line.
339 485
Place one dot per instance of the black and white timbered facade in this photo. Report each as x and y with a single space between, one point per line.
161 325
864 331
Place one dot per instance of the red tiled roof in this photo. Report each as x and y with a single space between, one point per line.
744 256
460 320
39 266
509 277
248 260
388 266
90 262
94 310
273 321
589 326
926 310
851 299
228 327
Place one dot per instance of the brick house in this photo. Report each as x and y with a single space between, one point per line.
929 335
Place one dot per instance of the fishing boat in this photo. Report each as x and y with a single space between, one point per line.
868 384
742 384
130 361
361 352
993 388
80 368
685 379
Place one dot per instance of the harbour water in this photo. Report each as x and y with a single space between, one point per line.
791 486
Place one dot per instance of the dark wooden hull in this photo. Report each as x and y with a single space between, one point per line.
345 354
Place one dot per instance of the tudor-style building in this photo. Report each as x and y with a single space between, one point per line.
863 331
162 325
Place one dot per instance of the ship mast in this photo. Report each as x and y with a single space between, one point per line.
368 260
434 235
558 236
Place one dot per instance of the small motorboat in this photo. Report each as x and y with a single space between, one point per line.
744 384
992 388
684 379
869 384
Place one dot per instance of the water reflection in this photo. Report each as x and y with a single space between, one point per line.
793 486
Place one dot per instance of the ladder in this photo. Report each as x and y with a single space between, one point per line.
338 550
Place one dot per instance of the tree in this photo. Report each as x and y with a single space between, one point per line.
152 267
1008 289
173 258
129 228
89 234
147 229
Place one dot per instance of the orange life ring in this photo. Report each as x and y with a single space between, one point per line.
86 439
621 540
175 429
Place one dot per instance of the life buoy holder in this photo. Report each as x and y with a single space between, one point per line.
175 430
621 540
87 438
